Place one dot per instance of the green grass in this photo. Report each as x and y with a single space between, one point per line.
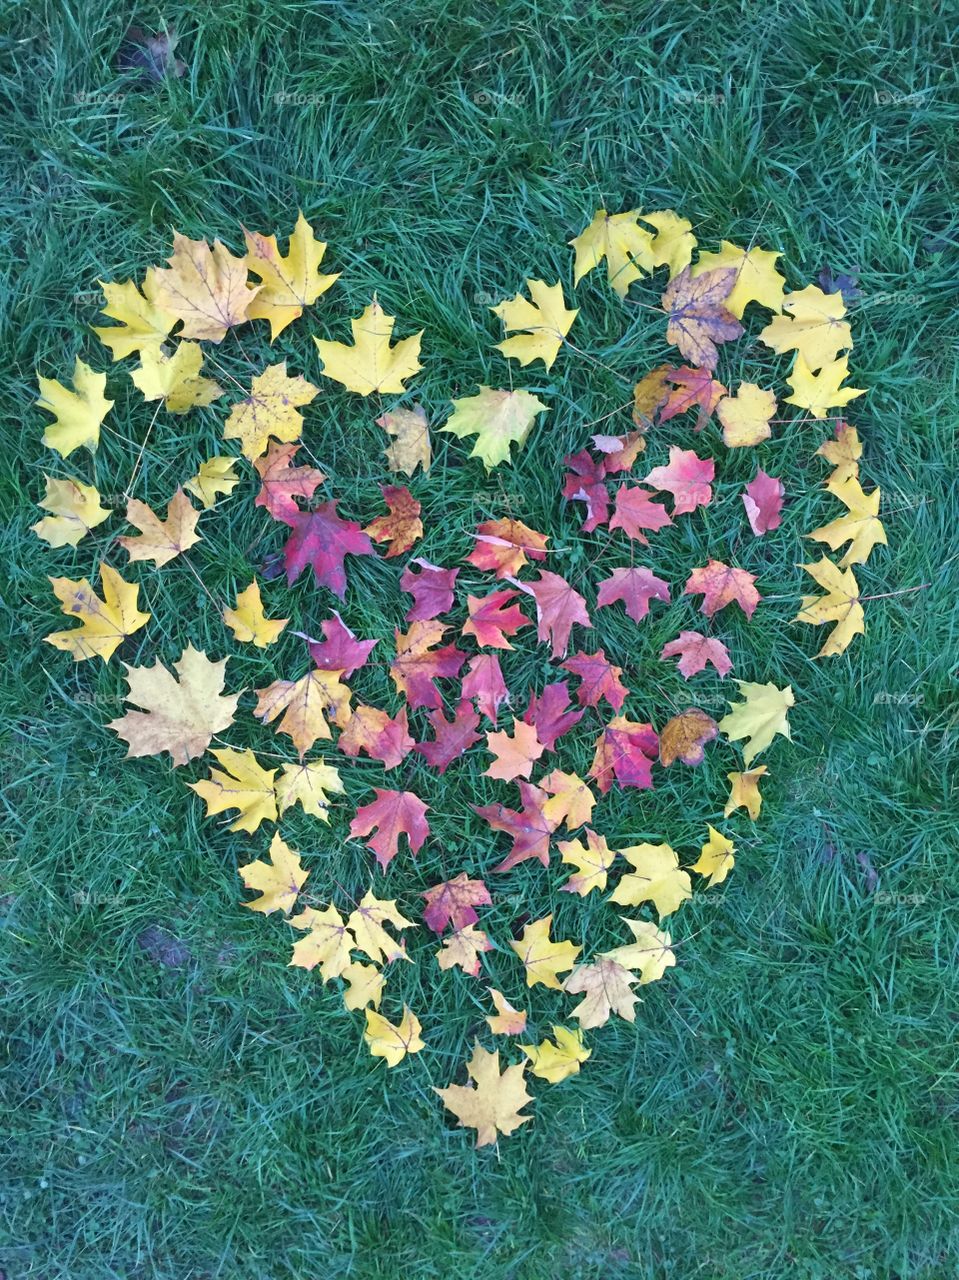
179 1103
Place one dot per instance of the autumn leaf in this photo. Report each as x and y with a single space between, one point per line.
492 1103
558 607
543 323
592 861
463 949
636 512
249 623
656 877
368 924
322 539
840 605
619 452
242 785
617 238
391 814
215 476
308 784
451 738
205 289
551 715
812 324
339 650
599 679
695 651
587 483
484 685
175 379
606 986
371 364
744 792
720 585
327 942
282 483
143 324
716 858
746 416
822 391
687 477
454 902
692 388
542 957
503 546
78 413
75 510
403 526
104 624
759 717
161 540
557 1059
288 284
431 588
514 757
365 986
570 799
497 419
384 1040
843 452
635 588
181 713
684 737
649 396
698 317
304 706
378 734
411 433
418 663
763 500
492 618
625 751
529 826
650 951
757 279
674 242
271 409
278 881
861 528
507 1021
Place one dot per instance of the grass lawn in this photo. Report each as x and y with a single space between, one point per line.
182 1105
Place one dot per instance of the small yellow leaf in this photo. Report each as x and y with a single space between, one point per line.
384 1040
205 289
161 540
104 624
288 284
592 861
541 957
570 799
746 416
674 243
497 418
744 792
822 391
650 951
143 323
492 1103
175 379
606 985
619 239
840 605
249 623
844 451
304 705
813 325
368 922
761 715
271 409
366 984
278 881
309 785
861 528
215 476
757 281
371 364
76 510
410 430
656 878
716 858
543 323
560 1058
507 1021
245 786
78 413
327 942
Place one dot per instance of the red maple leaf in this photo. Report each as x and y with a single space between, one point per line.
451 738
587 483
403 526
492 618
323 540
485 685
720 584
635 587
505 545
431 588
418 663
380 736
635 511
625 751
687 477
281 482
697 317
692 387
694 651
550 714
598 679
392 813
763 501
453 903
558 607
340 650
529 826
619 452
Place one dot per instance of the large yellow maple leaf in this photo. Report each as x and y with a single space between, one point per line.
497 418
271 409
759 717
757 279
861 528
161 540
543 323
278 881
492 1103
205 289
542 957
104 624
327 942
656 878
78 413
304 705
371 364
813 325
143 323
617 238
822 391
840 605
242 784
288 284
175 379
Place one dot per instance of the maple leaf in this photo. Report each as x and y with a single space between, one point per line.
515 756
746 416
587 483
249 623
507 1021
505 545
244 786
570 799
304 705
619 239
181 713
625 751
375 732
757 279
278 881
822 391
763 500
692 387
545 319
418 663
142 323
339 650
635 587
695 651
840 605
492 618
365 986
104 624
650 951
674 242
861 528
454 901
720 585
175 379
288 284
550 715
599 679
327 942
606 986
431 588
558 607
619 452
813 325
205 289
557 1059
77 413
463 948
698 315
308 784
410 430
484 685
75 510
323 539
529 827
542 957
684 737
384 1040
636 511
161 540
656 878
451 738
759 717
744 792
271 409
843 452
368 923
215 476
497 419
716 858
649 396
282 482
391 814
687 477
403 526
492 1103
371 364
592 861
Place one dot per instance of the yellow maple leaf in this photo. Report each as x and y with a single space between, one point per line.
463 948
78 413
844 451
104 624
288 284
327 942
365 985
606 985
207 290
507 1021
619 239
371 364
410 430
656 878
745 417
759 717
757 279
308 784
557 1059
249 623
861 528
143 323
840 605
367 923
75 510
716 859
175 379
181 713
384 1040
674 242
304 705
492 1103
822 391
161 540
592 861
271 409
542 957
215 476
278 881
545 320
570 799
245 786
650 951
744 792
813 325
497 418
